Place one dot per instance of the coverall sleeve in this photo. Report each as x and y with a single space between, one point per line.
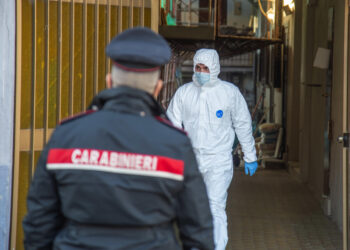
43 219
193 212
174 111
242 124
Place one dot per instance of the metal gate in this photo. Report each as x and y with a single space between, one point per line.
60 66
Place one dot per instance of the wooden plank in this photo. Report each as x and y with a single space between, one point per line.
96 48
71 68
136 3
59 62
120 16
15 184
155 15
47 70
131 14
33 84
143 13
278 143
83 89
38 143
108 34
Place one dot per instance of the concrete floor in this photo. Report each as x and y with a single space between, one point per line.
273 211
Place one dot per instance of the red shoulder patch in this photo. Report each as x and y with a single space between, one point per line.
76 116
169 124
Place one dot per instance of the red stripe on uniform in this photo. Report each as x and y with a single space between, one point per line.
60 155
114 159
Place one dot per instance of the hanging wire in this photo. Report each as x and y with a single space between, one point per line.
263 12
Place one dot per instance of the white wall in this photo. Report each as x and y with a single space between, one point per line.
7 88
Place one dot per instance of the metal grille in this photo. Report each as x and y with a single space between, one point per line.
60 66
171 81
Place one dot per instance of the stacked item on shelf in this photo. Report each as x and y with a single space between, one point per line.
271 138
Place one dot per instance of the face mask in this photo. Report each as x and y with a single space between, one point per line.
202 77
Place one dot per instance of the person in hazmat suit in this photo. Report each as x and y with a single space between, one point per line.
212 111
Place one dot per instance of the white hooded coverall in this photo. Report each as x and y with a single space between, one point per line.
211 114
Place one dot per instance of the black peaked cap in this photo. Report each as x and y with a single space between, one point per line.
139 49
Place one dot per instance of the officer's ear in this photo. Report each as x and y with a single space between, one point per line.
109 81
158 88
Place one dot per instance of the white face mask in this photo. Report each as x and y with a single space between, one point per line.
202 77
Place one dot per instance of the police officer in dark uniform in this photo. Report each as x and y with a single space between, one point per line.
120 176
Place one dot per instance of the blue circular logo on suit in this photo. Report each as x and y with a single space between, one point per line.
219 113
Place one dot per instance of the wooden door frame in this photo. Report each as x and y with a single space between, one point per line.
345 126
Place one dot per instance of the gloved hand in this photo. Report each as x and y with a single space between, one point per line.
250 168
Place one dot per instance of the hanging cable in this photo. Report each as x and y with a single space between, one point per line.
263 12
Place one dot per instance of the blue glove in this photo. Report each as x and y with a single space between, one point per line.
250 168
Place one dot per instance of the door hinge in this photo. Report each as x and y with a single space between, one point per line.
345 139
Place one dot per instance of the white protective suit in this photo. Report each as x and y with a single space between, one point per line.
211 115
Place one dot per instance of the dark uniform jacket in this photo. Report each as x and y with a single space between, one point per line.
118 178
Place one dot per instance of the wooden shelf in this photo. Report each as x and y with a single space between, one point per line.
227 46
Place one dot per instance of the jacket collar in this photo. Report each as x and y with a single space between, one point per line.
127 100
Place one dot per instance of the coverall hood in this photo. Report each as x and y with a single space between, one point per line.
210 58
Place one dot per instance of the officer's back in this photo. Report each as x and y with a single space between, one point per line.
118 176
